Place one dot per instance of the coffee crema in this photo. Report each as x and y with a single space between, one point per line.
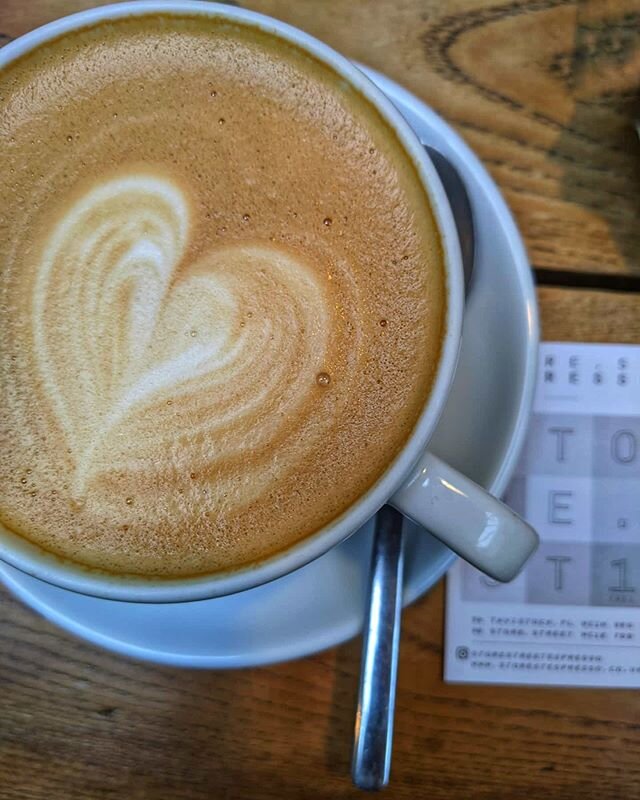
223 296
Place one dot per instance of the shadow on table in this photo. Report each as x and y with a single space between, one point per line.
342 714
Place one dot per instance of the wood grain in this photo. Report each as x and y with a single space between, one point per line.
77 723
589 316
545 91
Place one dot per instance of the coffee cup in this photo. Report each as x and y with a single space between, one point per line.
442 500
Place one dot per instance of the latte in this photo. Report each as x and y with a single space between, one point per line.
223 296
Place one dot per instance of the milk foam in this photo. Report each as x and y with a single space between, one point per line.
116 333
221 297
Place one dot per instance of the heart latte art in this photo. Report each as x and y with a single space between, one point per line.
221 297
200 367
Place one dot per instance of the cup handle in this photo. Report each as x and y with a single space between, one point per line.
466 518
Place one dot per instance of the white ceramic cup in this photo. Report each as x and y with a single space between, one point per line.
459 512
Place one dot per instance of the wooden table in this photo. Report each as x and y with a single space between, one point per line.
546 93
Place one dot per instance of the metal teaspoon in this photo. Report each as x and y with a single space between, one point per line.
373 736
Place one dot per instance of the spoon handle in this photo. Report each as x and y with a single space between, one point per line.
376 697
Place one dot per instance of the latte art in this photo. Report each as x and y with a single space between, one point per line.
221 296
222 354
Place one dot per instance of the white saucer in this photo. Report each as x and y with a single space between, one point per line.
480 433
